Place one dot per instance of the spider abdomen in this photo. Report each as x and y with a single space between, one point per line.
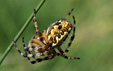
59 32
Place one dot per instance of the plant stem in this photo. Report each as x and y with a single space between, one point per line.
21 31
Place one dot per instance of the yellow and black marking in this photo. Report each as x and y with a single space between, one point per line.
44 44
59 32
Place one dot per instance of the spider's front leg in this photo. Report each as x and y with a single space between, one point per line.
35 23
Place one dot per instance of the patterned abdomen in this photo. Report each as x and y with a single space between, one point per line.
59 31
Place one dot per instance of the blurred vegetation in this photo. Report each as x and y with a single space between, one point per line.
94 34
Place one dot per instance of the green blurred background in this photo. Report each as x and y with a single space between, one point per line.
94 34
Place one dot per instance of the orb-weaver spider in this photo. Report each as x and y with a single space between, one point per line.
44 44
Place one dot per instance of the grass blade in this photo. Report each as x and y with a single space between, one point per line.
21 31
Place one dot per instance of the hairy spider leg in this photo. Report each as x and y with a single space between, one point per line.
69 14
44 34
50 56
27 50
72 37
41 59
39 44
25 47
63 55
32 45
30 55
35 23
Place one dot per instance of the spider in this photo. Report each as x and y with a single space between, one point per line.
43 45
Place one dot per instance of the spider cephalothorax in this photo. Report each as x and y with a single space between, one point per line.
44 44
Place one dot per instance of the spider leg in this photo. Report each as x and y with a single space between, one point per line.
35 23
67 57
69 13
25 47
17 48
72 37
36 44
63 55
30 55
41 59
45 36
35 47
51 56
